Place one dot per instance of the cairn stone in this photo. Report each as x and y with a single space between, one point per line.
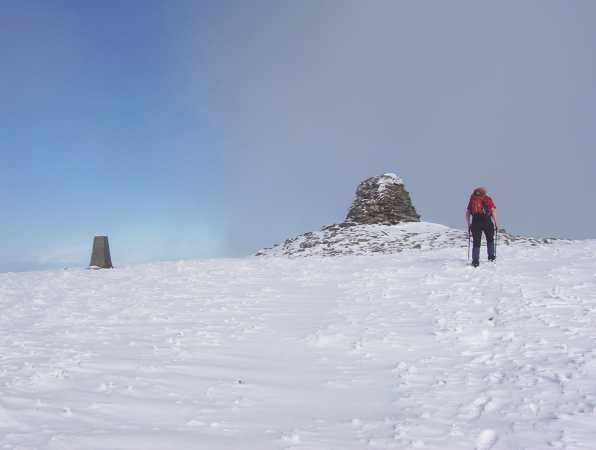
100 256
382 200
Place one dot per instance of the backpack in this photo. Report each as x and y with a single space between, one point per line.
477 205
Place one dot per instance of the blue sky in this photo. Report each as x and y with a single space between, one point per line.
209 129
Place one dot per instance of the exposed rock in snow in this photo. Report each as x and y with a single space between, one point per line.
350 239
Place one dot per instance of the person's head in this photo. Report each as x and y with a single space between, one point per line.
479 191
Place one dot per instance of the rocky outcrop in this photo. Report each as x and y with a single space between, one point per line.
382 200
383 220
346 239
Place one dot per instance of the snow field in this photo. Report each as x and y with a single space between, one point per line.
413 350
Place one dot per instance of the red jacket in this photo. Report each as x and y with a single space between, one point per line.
487 203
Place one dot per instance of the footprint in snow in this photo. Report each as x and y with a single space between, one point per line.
291 438
477 408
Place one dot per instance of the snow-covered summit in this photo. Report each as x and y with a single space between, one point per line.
382 219
351 239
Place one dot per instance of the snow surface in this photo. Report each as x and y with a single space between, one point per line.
410 350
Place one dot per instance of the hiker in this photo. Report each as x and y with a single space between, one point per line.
483 211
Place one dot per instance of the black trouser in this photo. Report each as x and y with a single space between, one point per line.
480 225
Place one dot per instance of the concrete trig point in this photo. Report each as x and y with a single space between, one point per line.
100 256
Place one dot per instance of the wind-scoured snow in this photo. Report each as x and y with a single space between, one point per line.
409 350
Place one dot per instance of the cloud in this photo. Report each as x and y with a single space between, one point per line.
76 255
309 98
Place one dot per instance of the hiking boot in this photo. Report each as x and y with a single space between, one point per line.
492 258
475 263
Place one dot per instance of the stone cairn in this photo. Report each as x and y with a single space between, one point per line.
382 200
